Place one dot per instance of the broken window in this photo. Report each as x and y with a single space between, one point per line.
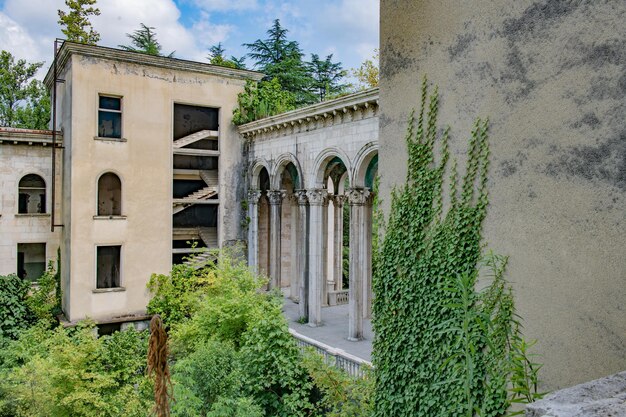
31 260
108 266
32 194
109 117
109 195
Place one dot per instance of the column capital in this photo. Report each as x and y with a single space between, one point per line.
275 196
339 199
317 196
253 196
358 196
301 197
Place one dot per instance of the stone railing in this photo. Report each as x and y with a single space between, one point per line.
336 298
351 364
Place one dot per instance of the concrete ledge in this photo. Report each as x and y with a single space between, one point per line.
604 397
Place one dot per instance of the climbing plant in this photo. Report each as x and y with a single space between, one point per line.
442 348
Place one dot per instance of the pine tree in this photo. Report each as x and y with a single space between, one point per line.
75 24
144 40
327 76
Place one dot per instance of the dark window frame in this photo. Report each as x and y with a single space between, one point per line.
104 111
101 209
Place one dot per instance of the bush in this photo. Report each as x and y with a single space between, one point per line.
14 312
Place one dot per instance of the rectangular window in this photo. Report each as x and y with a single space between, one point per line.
108 266
109 117
31 261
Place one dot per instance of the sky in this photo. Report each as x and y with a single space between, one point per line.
346 28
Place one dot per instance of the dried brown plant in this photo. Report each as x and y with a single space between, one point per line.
158 367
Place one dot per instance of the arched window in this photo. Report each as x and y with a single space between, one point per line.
109 195
32 195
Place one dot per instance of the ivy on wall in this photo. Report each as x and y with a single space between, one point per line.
442 348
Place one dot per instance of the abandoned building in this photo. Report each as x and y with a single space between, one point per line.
149 168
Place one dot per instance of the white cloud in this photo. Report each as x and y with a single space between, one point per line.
226 5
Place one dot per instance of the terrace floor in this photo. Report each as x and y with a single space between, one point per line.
334 329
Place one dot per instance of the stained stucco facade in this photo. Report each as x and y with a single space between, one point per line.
551 77
147 89
22 153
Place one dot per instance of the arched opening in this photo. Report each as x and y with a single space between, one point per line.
365 177
109 195
288 182
264 222
336 233
31 195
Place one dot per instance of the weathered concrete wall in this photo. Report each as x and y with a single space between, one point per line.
16 161
551 77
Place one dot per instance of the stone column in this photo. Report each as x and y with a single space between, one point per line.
275 199
302 253
367 262
338 201
253 228
357 197
294 244
318 198
325 273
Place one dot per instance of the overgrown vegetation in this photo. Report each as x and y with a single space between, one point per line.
144 40
443 348
75 23
24 101
260 100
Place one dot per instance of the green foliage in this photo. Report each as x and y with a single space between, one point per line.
367 75
441 348
326 76
75 24
45 299
281 59
175 296
263 99
144 40
24 101
216 57
72 372
14 312
234 354
341 394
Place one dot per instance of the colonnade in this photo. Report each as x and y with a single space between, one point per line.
310 278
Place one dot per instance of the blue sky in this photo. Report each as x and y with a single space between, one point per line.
346 28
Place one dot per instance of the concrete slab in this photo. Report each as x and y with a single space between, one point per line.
334 329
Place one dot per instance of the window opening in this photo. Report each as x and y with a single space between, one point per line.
32 195
108 267
31 261
109 117
109 195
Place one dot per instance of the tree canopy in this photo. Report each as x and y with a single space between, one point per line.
144 40
75 24
326 76
367 74
24 101
216 57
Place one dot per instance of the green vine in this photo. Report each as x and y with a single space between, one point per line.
441 347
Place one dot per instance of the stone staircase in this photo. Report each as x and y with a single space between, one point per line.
211 180
208 236
194 137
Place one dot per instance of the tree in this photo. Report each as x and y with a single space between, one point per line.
23 101
76 25
144 40
367 73
216 57
263 99
281 58
326 75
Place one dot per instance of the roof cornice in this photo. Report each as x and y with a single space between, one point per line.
68 48
342 109
16 136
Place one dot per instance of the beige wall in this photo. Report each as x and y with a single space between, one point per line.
144 164
551 77
17 160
